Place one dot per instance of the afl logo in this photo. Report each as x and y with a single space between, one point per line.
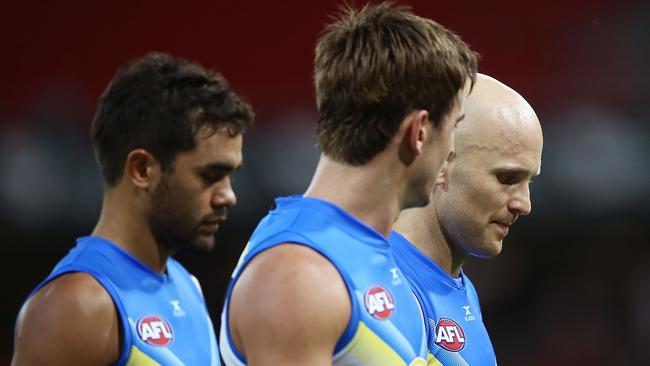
449 335
379 302
155 330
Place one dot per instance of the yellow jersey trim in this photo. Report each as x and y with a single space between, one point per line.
139 358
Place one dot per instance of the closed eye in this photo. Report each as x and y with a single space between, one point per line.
210 178
512 177
216 172
507 178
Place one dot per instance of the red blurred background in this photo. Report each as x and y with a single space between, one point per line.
572 286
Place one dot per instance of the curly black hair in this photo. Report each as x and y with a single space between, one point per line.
159 103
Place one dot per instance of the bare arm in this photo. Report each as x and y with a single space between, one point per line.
70 321
289 307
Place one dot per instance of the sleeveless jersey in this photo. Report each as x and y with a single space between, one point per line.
163 317
456 333
385 326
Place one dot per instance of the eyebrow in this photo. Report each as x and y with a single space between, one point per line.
462 117
220 166
516 170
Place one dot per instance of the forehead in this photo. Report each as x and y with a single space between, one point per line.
503 151
500 128
211 147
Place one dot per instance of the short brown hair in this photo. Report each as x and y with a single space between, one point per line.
375 65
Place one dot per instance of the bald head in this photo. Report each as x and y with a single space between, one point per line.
498 151
496 118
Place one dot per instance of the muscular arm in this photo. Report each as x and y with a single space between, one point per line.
70 321
289 307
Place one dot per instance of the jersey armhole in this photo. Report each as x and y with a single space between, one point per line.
297 239
125 330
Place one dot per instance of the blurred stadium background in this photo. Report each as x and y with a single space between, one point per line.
572 286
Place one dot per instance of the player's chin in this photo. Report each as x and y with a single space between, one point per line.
495 248
490 248
203 242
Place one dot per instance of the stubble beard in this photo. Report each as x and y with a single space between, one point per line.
171 221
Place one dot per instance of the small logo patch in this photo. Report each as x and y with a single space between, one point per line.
468 314
155 330
379 302
396 279
178 311
450 335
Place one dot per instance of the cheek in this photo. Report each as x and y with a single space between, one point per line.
189 202
454 208
194 202
203 200
196 194
466 201
490 201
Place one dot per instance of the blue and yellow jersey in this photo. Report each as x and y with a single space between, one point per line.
386 326
456 333
163 317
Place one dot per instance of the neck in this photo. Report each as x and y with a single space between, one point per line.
123 223
422 228
367 192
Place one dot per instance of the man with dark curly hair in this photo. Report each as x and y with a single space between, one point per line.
167 135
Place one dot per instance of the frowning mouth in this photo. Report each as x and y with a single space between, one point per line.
504 227
212 223
214 220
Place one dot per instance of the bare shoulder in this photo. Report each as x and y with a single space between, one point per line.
70 321
289 306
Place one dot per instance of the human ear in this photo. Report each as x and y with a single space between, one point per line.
141 168
418 133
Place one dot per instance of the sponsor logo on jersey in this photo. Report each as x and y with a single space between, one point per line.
449 335
468 314
396 279
154 330
178 311
379 302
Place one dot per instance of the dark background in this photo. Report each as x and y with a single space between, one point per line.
572 286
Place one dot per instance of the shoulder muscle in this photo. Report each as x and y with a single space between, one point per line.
289 306
70 321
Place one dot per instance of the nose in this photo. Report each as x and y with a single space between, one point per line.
223 194
520 203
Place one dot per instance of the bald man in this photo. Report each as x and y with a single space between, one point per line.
498 149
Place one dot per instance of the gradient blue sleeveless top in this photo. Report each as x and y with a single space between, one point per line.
456 333
386 326
164 318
